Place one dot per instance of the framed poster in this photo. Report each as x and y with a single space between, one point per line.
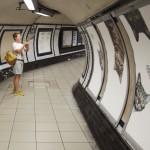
44 40
67 39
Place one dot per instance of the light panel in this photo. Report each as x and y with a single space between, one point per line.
44 12
31 4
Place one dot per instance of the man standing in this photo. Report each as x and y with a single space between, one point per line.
18 48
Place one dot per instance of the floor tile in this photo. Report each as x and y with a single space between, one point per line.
23 136
60 106
45 118
3 146
69 118
25 118
22 146
24 126
46 127
6 126
43 106
50 146
8 118
54 92
7 111
73 137
48 137
8 105
77 146
69 127
25 112
5 136
43 111
26 105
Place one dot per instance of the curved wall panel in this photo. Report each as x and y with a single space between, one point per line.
98 63
56 37
137 25
30 55
86 75
114 97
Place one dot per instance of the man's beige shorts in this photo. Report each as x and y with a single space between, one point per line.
18 67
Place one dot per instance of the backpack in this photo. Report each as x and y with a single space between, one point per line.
10 58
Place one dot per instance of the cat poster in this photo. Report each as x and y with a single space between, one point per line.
118 47
101 56
141 97
137 23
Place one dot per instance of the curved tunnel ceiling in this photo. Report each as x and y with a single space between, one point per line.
72 11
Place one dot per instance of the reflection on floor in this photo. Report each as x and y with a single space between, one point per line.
47 117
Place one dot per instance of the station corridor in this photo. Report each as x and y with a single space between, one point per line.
47 117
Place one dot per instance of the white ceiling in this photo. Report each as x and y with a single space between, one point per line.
72 11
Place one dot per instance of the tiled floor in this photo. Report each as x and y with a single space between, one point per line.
47 117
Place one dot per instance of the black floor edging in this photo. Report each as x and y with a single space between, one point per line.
103 131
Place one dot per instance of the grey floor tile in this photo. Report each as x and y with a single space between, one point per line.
69 127
7 111
50 146
44 126
3 146
73 137
6 118
6 126
8 105
24 111
60 106
45 118
48 137
77 146
24 118
22 146
5 136
24 126
23 136
42 111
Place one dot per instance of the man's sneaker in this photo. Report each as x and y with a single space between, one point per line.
21 93
18 92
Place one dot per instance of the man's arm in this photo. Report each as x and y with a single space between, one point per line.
24 47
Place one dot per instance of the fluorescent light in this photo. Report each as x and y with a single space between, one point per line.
39 13
31 4
44 12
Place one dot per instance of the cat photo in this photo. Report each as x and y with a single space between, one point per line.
119 48
101 56
141 97
137 24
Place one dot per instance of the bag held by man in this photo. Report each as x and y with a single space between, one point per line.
10 58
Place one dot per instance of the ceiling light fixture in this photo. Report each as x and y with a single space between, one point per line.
43 12
31 4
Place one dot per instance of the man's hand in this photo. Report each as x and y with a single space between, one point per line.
26 43
26 46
